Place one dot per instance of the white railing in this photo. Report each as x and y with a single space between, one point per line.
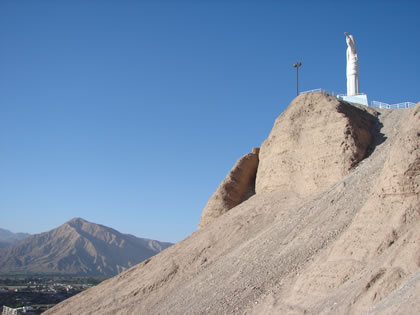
343 95
371 103
391 106
378 104
327 92
310 91
323 91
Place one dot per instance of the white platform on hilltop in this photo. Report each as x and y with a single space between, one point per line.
362 99
358 99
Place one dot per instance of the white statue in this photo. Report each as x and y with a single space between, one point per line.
353 75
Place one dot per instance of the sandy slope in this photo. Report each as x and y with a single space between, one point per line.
346 247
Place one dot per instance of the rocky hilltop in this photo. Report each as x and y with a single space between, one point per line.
78 247
329 225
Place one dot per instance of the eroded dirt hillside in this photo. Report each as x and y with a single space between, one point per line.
345 242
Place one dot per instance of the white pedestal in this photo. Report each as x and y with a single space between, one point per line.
358 99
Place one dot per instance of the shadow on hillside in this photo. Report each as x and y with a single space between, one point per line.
377 135
360 117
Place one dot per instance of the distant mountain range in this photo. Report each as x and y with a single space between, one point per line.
78 247
7 237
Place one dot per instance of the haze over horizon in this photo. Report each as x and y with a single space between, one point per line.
130 114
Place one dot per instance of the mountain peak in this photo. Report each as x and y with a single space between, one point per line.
78 247
77 220
78 223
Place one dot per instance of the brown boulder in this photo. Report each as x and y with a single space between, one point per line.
237 187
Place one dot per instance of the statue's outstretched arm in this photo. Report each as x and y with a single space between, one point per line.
351 43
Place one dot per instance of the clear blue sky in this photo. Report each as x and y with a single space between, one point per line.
130 113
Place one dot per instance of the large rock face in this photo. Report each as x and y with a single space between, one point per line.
313 144
237 187
348 248
373 264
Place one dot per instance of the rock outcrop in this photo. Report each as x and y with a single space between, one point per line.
313 144
373 265
346 243
336 134
237 187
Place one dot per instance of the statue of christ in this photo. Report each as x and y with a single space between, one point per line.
353 75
